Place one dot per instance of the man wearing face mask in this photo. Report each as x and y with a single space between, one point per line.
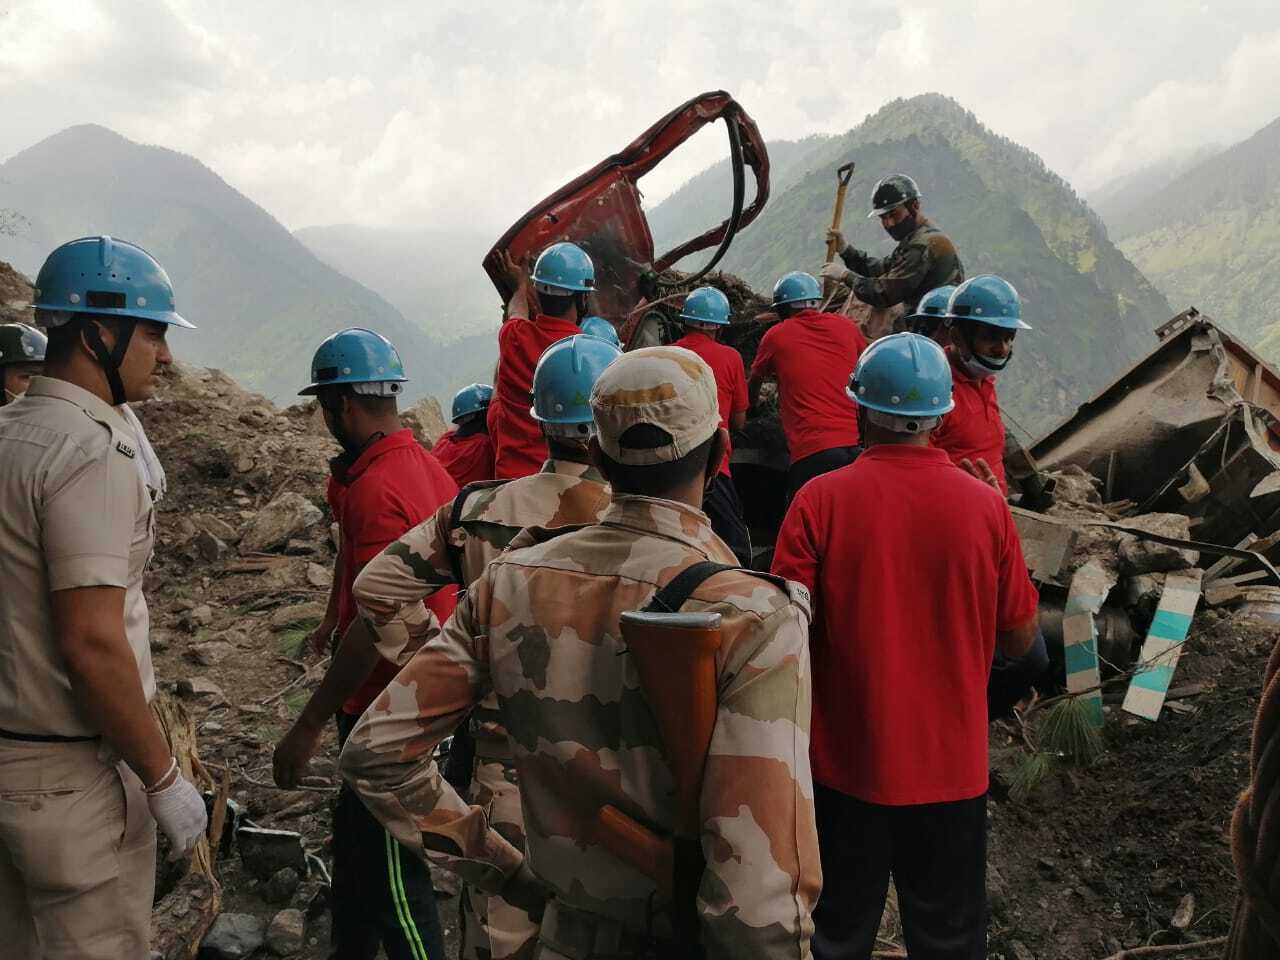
924 258
383 484
984 314
21 358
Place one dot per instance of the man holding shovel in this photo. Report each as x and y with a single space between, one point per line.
924 258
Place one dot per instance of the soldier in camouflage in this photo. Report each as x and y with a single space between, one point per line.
924 258
541 629
453 548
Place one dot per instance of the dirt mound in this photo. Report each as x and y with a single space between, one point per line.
15 295
1098 859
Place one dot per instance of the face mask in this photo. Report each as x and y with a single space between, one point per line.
903 229
9 397
980 367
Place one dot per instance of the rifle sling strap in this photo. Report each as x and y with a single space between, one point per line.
452 550
681 587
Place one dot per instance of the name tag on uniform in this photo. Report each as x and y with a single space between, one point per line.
124 448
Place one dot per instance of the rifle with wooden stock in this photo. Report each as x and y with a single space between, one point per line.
675 655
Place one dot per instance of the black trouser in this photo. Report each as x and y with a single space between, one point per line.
937 855
1013 677
723 508
816 464
382 892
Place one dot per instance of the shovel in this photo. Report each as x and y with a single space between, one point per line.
844 174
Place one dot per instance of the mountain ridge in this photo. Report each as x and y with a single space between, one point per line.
261 299
1208 238
1008 213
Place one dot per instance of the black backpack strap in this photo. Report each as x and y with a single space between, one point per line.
681 587
452 550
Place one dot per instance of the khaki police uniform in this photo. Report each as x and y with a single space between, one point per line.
77 841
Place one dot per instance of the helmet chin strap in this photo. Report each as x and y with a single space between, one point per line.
110 360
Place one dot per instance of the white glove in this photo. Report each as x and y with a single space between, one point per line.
837 271
179 812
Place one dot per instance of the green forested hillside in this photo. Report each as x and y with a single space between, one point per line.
261 299
1210 238
1093 312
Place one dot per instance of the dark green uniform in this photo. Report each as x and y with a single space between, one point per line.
922 261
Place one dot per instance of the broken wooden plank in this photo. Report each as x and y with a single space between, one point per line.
1225 564
1238 579
1163 646
1089 589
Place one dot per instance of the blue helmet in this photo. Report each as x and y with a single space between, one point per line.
706 305
796 287
469 400
20 343
562 269
562 382
601 329
356 356
102 275
933 304
905 375
987 299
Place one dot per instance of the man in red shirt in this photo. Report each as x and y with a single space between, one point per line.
984 314
811 354
563 277
465 451
705 314
383 484
910 599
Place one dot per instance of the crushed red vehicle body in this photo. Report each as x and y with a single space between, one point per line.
602 213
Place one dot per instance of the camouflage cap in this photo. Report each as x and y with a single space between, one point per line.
666 387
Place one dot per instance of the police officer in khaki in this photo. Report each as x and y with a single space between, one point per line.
85 773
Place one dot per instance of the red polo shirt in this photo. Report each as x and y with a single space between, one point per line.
467 459
518 446
974 428
393 486
812 355
914 566
731 378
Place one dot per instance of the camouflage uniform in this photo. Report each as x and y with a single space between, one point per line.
436 554
922 261
540 629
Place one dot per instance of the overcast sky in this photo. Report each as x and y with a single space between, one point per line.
439 113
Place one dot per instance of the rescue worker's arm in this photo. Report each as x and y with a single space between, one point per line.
352 663
762 367
524 300
1016 642
741 398
1017 605
390 589
104 676
388 759
861 262
759 836
894 278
